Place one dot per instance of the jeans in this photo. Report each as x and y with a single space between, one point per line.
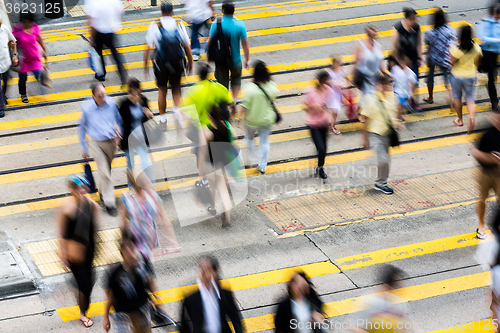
319 136
381 143
466 84
430 75
263 145
23 77
142 151
490 61
5 80
195 33
109 41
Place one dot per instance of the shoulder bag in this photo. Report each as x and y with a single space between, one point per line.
278 115
393 134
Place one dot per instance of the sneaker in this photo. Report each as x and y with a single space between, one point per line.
384 189
100 78
112 211
320 173
163 125
260 170
2 114
196 57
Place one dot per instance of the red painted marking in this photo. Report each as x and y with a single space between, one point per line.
276 204
374 213
406 207
400 182
427 203
262 206
348 191
292 226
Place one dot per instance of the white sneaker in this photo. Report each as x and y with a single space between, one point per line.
196 57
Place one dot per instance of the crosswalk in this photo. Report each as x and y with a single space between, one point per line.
58 110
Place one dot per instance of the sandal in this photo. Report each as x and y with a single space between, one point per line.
457 123
480 235
212 211
336 131
428 100
24 99
87 323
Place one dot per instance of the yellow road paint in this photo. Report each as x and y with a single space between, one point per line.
407 251
237 283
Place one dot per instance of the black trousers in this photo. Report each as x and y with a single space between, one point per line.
5 79
108 40
490 62
319 136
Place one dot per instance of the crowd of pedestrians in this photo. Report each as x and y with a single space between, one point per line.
386 92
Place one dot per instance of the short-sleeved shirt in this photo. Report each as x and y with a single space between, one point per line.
402 80
317 101
335 99
203 96
490 142
465 65
129 288
439 41
380 110
153 35
105 16
237 31
28 43
198 11
6 36
391 308
260 113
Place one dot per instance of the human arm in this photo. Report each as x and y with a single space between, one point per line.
211 5
82 133
122 215
145 108
484 157
42 45
167 224
246 50
146 60
364 130
419 47
62 225
13 45
394 43
189 55
106 324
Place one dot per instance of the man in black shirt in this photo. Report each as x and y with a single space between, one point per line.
127 292
487 153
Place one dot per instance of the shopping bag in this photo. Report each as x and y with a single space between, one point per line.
90 178
46 77
93 58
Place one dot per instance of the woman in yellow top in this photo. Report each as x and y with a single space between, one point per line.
465 59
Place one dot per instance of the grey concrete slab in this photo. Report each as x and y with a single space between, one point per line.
23 306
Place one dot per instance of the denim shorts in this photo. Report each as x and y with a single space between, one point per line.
401 100
430 75
465 84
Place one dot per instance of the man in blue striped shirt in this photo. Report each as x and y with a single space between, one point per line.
101 121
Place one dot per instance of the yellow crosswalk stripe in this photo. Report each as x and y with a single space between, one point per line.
273 13
185 182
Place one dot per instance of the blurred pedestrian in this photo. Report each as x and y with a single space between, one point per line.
300 310
101 121
127 291
29 40
215 153
140 207
489 34
7 41
237 32
487 154
134 111
104 20
404 84
77 221
378 115
384 311
258 107
465 58
337 81
172 45
208 309
319 117
406 39
200 12
439 39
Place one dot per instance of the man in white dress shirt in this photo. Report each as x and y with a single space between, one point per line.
7 40
105 18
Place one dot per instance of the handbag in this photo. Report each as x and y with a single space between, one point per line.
359 79
158 316
393 134
90 178
93 58
278 115
46 77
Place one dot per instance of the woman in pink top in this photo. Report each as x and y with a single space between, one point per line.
318 117
29 41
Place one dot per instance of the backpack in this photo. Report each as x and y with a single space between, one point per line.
219 49
170 53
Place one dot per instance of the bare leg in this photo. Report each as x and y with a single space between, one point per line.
450 96
430 90
235 90
162 100
481 208
458 109
471 106
226 199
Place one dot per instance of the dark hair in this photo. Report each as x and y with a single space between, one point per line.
439 18
465 40
166 8
213 262
409 12
28 16
94 86
203 70
390 275
261 73
494 8
134 83
127 236
228 8
217 114
322 75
